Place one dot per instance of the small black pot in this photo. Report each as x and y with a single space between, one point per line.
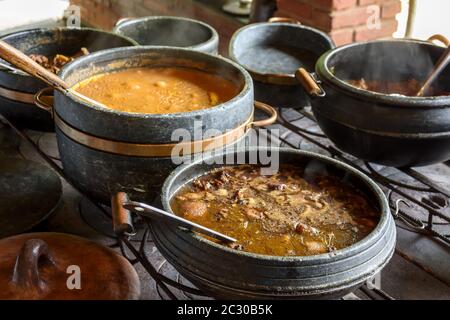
231 274
48 42
391 130
268 52
170 31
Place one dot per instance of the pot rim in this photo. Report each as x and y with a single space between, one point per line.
214 34
237 33
385 213
60 29
246 89
324 73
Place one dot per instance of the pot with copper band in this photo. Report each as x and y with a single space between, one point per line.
105 150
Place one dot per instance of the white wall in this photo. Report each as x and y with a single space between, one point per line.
432 16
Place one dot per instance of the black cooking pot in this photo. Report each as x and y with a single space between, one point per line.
17 88
226 273
170 31
272 51
104 151
391 130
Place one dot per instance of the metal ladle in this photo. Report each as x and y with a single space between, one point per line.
443 61
121 206
156 213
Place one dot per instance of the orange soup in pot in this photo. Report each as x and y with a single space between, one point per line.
159 90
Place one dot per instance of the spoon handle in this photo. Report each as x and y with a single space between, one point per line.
26 64
152 212
440 65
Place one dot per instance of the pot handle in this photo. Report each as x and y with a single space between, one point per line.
440 38
284 19
122 20
122 221
40 101
309 83
269 110
33 254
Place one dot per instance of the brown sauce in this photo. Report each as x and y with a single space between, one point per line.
158 90
282 214
407 88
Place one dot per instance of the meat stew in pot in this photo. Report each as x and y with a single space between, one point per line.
406 88
290 213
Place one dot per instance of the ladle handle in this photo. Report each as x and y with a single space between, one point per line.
442 63
123 224
26 64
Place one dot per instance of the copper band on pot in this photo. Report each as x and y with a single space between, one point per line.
152 150
17 95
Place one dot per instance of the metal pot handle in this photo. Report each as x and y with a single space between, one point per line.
26 278
122 222
122 20
269 110
440 38
309 83
41 103
284 19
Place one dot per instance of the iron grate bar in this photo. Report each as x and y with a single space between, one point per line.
376 176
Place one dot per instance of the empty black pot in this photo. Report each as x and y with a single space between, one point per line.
272 52
170 31
392 130
17 88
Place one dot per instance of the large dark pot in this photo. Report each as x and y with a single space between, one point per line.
17 88
271 52
391 130
227 273
104 151
170 31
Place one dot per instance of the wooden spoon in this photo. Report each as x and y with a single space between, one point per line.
443 61
26 64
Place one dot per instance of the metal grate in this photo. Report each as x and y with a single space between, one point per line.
426 200
425 210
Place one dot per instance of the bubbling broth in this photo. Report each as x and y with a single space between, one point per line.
283 214
158 90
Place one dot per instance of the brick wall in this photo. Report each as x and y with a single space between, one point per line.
103 14
345 20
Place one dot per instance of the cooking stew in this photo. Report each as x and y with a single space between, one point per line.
54 64
290 213
158 90
406 88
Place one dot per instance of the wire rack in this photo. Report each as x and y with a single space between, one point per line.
425 203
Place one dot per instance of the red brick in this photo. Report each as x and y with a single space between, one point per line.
332 5
366 2
341 19
391 9
297 8
388 27
342 36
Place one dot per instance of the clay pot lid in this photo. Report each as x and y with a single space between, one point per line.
44 266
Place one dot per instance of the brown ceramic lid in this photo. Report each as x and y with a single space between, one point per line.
36 266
